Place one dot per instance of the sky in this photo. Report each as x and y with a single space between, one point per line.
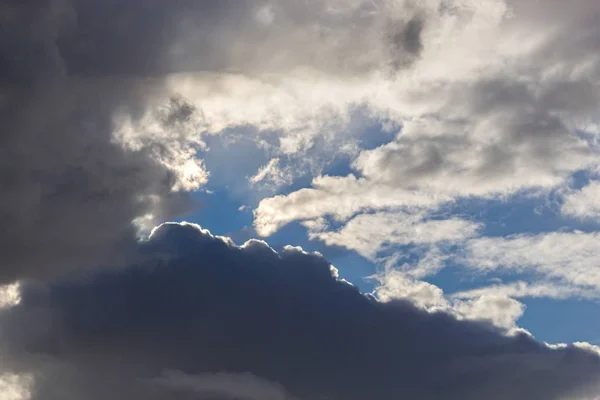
299 200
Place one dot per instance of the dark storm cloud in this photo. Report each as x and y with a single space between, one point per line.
199 304
69 191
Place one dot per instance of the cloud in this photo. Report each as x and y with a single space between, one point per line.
483 305
224 385
272 175
104 106
9 295
521 289
14 387
75 93
210 310
397 285
370 234
339 197
570 258
583 203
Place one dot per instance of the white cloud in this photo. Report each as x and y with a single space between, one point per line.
572 258
369 234
10 295
15 387
396 285
339 197
521 289
564 265
272 175
493 307
583 203
169 134
589 347
502 311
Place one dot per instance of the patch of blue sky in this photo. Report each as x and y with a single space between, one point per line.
519 214
371 132
562 321
231 158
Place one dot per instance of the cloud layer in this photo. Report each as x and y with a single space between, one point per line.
106 106
198 304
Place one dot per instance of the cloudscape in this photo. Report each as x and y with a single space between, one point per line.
299 200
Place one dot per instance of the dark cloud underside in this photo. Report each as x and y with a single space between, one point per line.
199 304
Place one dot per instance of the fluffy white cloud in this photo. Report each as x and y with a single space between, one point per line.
15 387
493 307
562 265
583 203
339 197
396 285
500 310
497 304
10 295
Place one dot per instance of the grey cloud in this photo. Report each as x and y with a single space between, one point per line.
69 191
199 304
230 386
502 137
406 42
154 37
